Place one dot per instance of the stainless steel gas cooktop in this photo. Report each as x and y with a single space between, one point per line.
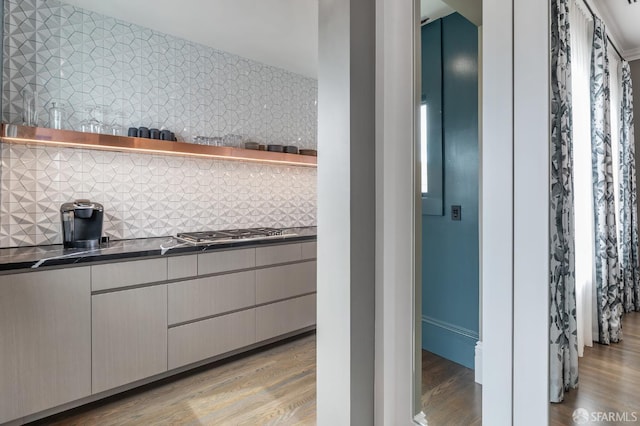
230 235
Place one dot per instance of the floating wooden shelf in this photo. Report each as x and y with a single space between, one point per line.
12 133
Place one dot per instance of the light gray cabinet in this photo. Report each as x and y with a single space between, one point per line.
281 282
281 253
200 340
309 250
182 266
66 334
204 297
225 261
201 328
125 274
45 340
284 317
129 336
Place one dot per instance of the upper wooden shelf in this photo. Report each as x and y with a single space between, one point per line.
12 133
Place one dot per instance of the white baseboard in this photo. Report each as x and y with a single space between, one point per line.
420 419
478 362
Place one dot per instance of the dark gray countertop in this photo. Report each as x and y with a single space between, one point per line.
54 255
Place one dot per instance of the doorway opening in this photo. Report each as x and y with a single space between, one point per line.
450 176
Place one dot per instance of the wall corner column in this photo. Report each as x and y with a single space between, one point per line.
398 215
346 213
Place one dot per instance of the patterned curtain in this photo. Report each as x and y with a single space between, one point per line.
608 293
563 323
628 219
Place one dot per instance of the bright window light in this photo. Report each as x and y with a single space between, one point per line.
423 148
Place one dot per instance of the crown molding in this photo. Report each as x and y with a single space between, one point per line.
632 54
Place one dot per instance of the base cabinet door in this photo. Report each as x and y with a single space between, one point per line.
200 340
129 336
284 317
205 297
282 282
45 340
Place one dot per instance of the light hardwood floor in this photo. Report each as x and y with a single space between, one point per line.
450 395
276 386
272 386
609 378
609 382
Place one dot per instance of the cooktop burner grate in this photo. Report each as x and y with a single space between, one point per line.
230 234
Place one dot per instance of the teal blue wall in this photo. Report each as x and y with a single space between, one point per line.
450 296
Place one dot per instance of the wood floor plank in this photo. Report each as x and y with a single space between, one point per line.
272 386
276 386
609 378
450 396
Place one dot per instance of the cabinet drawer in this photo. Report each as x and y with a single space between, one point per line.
281 253
222 261
200 340
281 282
182 267
286 316
129 336
202 297
309 250
124 274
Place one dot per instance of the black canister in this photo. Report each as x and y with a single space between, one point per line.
143 132
154 133
165 135
133 132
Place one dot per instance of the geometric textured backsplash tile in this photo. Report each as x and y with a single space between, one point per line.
146 195
147 78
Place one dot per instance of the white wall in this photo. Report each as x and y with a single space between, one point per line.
497 212
531 184
515 191
398 257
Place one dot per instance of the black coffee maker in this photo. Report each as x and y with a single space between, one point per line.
81 224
